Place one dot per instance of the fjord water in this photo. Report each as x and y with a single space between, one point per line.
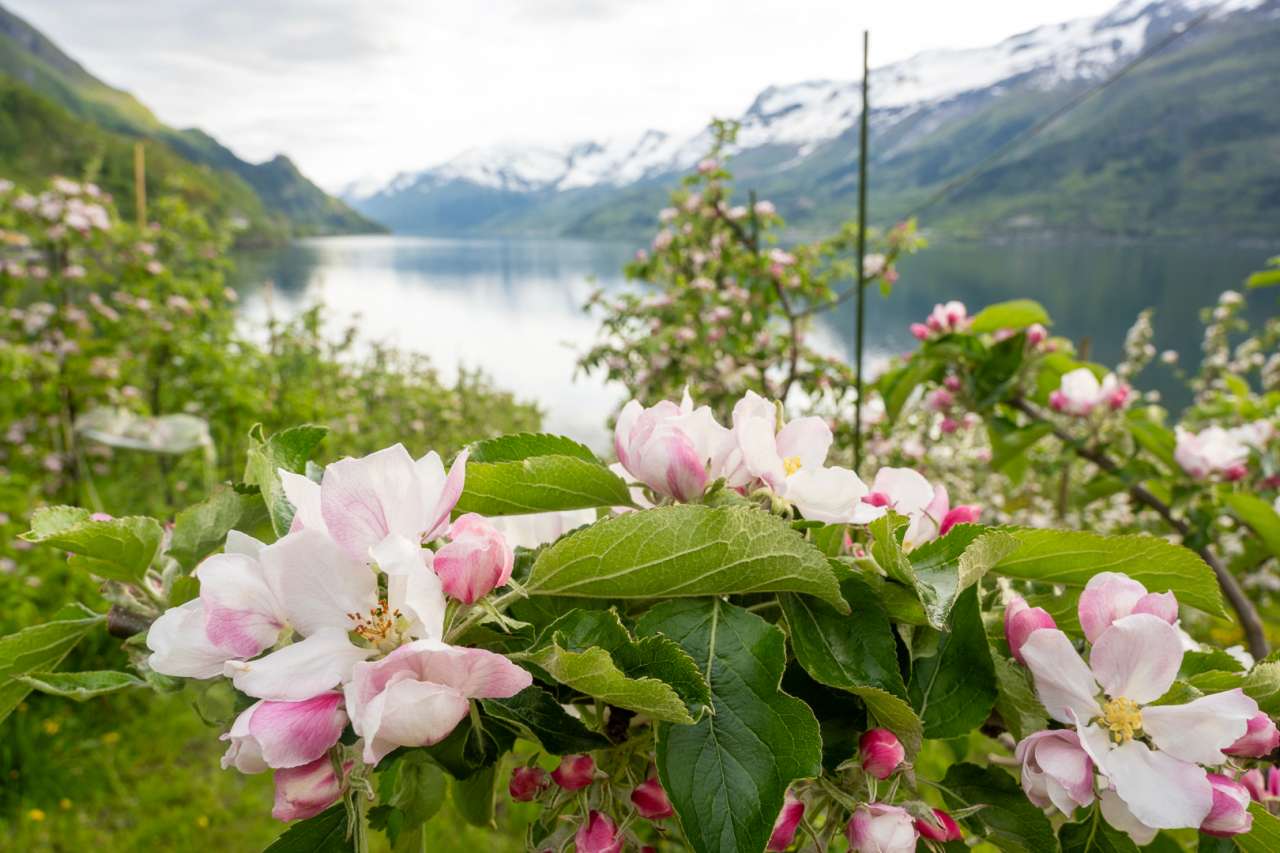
514 307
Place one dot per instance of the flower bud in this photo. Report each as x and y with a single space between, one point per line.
475 561
1230 812
920 331
303 792
1259 739
1020 621
650 800
943 827
597 835
881 752
952 383
1056 771
574 772
880 828
527 783
949 425
784 827
1037 334
1255 784
963 514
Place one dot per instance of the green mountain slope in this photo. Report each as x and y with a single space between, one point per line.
274 196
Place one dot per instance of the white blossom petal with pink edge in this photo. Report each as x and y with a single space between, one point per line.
907 490
362 500
304 494
757 439
1056 770
1137 658
442 491
1118 815
181 648
299 671
1199 730
303 792
1159 790
1107 597
1063 681
831 495
476 673
241 611
926 523
413 587
284 734
409 713
317 583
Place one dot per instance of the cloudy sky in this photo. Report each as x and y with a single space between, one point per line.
355 89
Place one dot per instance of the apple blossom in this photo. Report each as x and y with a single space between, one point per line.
1262 789
305 791
944 319
669 447
650 800
574 772
942 827
1109 596
284 734
1261 738
418 694
927 508
1080 393
1212 451
881 828
1056 771
527 783
1150 753
597 835
786 824
1037 334
476 560
1020 620
1230 813
881 752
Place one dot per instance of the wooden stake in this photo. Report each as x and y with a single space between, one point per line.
140 183
862 251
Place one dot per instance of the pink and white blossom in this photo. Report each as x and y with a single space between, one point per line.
880 752
1261 738
881 828
940 827
1211 452
598 835
650 800
1020 620
1109 596
786 824
1056 771
1079 393
476 560
670 447
278 735
1230 813
575 772
305 791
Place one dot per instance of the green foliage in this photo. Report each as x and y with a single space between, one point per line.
81 685
119 549
539 717
954 689
1014 314
1008 819
289 450
39 649
324 833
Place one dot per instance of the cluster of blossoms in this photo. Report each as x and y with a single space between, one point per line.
342 622
1081 394
679 450
1215 452
1150 764
943 320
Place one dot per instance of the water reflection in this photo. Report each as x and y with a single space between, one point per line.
513 307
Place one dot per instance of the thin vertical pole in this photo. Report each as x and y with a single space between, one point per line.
140 183
862 251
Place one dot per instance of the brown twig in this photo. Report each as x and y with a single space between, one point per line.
1250 621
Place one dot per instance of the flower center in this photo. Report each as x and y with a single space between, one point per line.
791 465
1123 717
377 625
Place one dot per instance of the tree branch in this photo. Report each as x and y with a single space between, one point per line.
1250 621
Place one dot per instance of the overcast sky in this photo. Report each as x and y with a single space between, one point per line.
365 88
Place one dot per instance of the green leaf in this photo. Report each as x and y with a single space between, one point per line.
726 774
324 833
120 549
540 484
896 385
886 548
470 748
1265 835
954 690
1014 314
1153 437
1263 278
1259 515
39 648
414 787
199 530
1009 821
81 685
535 714
1094 835
1071 557
525 445
945 567
684 550
592 652
856 653
1016 699
1009 442
289 449
840 721
473 798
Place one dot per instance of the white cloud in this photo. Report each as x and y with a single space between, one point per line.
351 89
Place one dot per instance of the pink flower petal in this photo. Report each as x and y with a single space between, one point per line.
1201 729
1137 657
1159 790
295 733
241 612
409 713
363 500
1063 681
447 499
303 792
1107 597
475 673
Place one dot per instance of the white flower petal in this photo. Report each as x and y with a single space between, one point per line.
1199 730
299 671
1137 657
181 648
317 582
1063 681
1159 790
1118 815
304 494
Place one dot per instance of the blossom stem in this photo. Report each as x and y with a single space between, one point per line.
475 614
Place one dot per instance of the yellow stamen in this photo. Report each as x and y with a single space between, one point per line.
1123 717
378 625
791 465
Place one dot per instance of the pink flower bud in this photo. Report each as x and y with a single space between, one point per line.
527 783
597 835
1230 812
882 752
784 827
1259 739
880 828
1119 397
1235 473
952 383
1255 784
476 560
1058 401
1021 621
942 828
1036 334
920 331
303 792
650 800
574 772
949 425
877 499
963 514
941 400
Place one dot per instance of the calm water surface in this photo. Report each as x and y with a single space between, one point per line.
513 307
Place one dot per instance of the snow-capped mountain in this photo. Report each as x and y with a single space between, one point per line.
912 101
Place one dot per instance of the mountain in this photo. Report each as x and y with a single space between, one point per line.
73 121
1185 143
